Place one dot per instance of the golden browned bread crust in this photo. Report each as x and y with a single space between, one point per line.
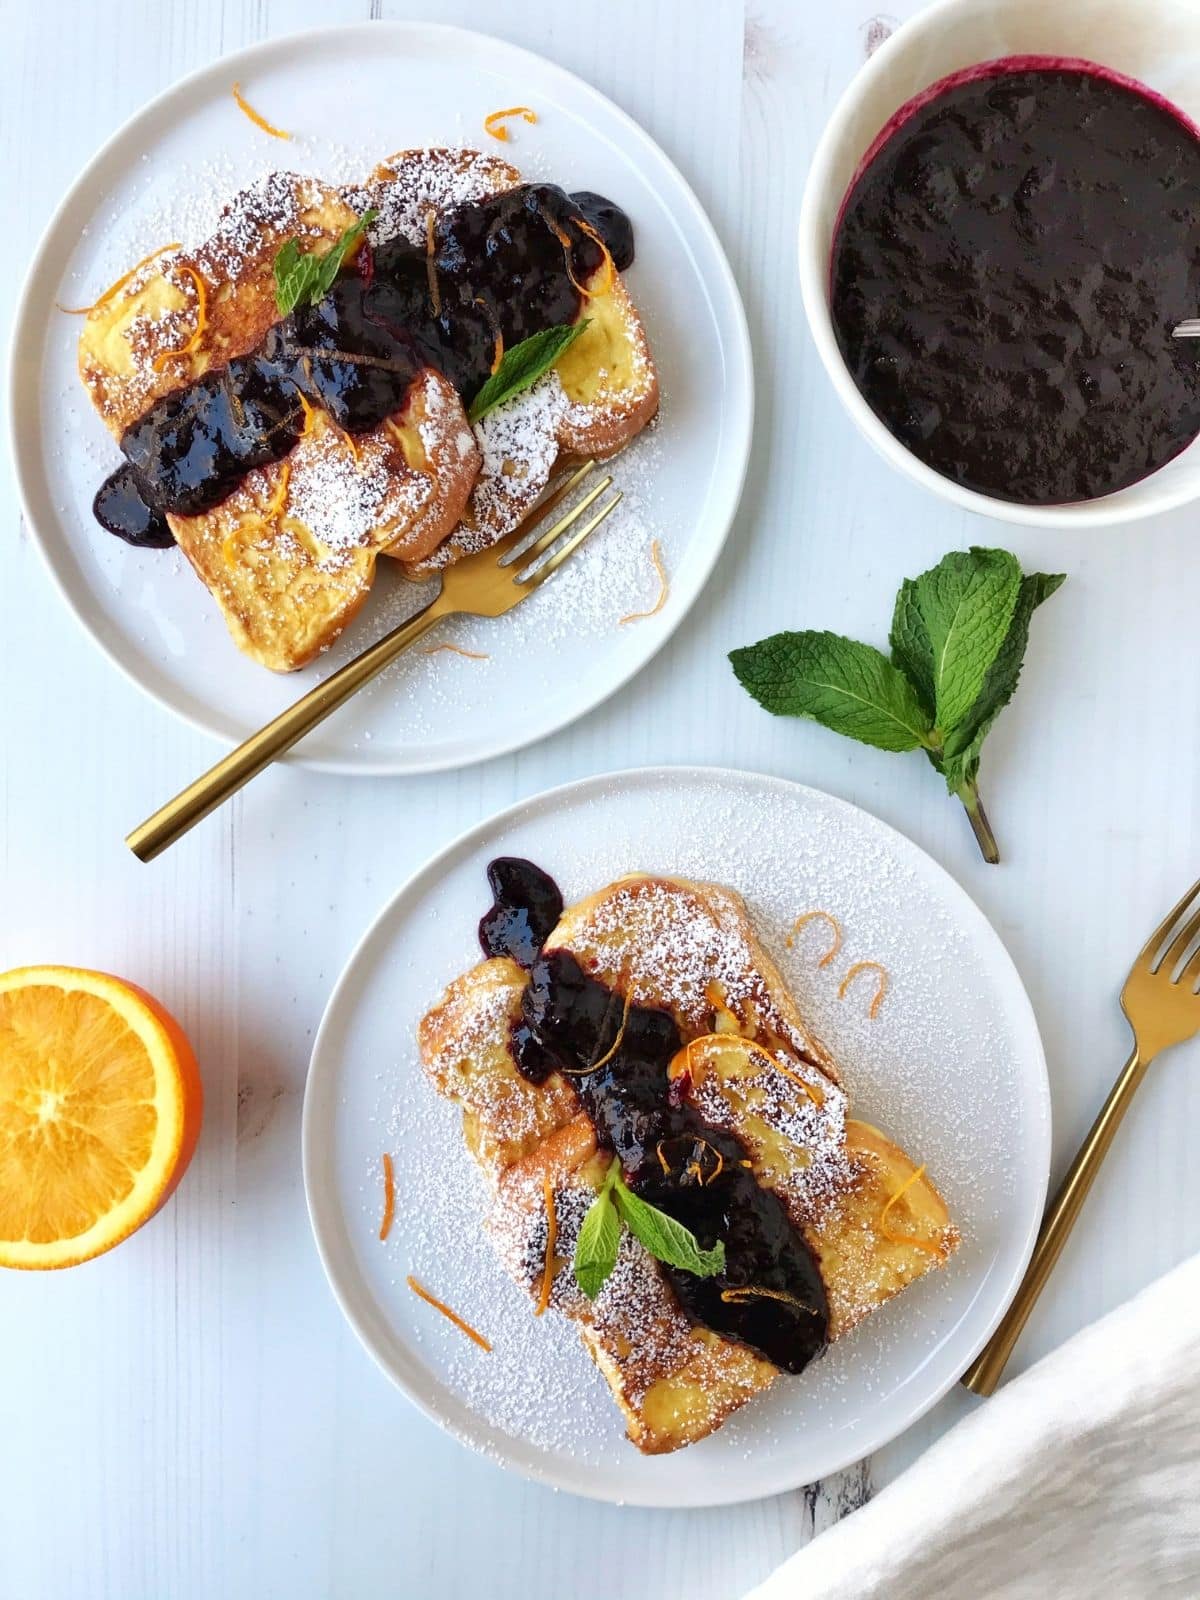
754 1068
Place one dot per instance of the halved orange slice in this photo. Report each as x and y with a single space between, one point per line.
100 1107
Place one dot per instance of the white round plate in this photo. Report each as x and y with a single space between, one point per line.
164 177
952 1067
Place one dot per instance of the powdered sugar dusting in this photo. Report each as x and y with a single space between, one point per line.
940 1068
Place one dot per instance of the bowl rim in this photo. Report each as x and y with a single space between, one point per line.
1106 511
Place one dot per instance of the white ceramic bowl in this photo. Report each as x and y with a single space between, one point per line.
1154 41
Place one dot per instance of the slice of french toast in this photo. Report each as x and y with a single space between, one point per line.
290 555
601 392
873 1221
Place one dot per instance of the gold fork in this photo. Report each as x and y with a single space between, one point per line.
486 584
1162 1009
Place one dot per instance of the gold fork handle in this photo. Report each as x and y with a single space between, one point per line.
983 1374
193 804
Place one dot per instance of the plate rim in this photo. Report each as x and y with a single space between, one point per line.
321 1081
24 355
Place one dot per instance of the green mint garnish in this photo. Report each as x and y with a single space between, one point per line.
306 279
522 366
958 639
666 1240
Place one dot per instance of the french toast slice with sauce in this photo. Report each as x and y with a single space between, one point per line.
749 1068
289 555
288 548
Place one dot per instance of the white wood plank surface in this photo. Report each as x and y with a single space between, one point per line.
189 1417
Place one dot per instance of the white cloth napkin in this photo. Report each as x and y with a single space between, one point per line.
1079 1478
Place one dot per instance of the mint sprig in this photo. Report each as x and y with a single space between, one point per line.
666 1240
958 639
306 279
522 366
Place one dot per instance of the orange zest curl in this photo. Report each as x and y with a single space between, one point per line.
279 498
752 1291
551 1241
435 293
663 587
256 117
497 335
389 1196
451 1316
694 1168
594 1066
494 122
823 916
115 288
907 1238
351 443
471 655
610 270
881 988
197 334
309 414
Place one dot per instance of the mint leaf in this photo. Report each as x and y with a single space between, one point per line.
911 649
849 687
961 761
522 366
958 639
966 603
666 1239
305 279
598 1242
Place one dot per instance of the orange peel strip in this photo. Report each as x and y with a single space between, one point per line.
907 1238
610 269
471 655
551 1241
256 117
115 288
186 349
881 987
750 1291
804 919
594 1066
310 413
493 123
663 587
389 1196
497 336
422 1293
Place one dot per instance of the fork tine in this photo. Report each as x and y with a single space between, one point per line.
1177 949
551 566
1154 942
544 540
503 548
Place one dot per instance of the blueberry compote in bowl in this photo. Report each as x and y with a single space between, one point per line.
1001 229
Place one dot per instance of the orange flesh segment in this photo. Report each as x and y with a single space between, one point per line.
96 1115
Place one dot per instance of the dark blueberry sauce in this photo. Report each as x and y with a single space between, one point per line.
569 1022
1006 272
505 268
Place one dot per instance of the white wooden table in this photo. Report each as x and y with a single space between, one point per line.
189 1416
